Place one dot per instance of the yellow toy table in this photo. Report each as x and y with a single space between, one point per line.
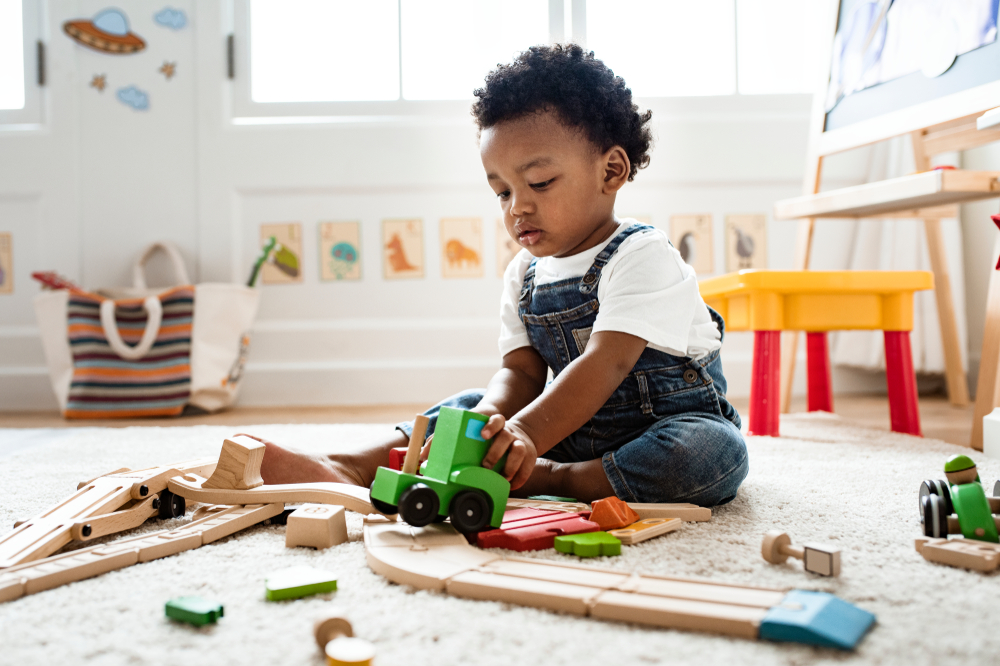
768 302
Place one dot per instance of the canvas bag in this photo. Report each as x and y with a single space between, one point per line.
123 353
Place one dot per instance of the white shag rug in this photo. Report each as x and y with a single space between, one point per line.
824 480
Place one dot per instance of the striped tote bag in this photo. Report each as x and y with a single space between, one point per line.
138 352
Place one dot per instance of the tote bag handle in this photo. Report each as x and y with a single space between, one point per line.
154 311
139 267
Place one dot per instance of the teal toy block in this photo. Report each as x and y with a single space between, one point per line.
552 498
194 610
590 544
816 618
298 582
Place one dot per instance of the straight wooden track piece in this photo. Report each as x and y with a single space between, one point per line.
544 505
239 465
52 529
965 553
646 529
134 514
85 563
352 498
813 618
690 513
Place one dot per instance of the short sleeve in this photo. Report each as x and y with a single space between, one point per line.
513 335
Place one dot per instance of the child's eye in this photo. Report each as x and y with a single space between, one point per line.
503 195
539 186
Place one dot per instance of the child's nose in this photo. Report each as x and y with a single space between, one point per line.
521 203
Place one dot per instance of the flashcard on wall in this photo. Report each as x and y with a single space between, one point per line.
107 32
462 247
284 266
339 251
6 264
746 242
507 248
402 249
692 236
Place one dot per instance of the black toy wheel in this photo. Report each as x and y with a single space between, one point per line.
934 487
935 517
171 505
419 504
380 506
470 511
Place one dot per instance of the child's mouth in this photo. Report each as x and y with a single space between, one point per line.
529 236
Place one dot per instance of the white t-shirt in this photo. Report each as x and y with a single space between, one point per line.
646 290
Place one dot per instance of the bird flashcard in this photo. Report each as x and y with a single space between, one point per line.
402 249
6 264
461 247
107 32
507 248
284 265
339 251
692 236
746 242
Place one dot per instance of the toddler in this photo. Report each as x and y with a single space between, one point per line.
637 406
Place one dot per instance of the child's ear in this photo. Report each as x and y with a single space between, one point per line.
616 166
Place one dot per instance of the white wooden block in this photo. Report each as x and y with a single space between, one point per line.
317 526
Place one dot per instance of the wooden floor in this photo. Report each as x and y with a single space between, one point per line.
939 419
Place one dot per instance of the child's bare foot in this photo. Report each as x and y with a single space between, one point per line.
283 465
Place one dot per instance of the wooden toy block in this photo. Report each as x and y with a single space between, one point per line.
690 513
239 465
612 513
812 618
335 638
396 458
644 530
352 498
565 507
532 529
965 553
823 560
297 582
316 526
591 544
193 610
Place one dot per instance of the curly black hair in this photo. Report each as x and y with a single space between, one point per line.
577 86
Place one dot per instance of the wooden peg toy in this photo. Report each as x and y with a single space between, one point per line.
317 526
823 560
612 513
644 530
335 638
239 465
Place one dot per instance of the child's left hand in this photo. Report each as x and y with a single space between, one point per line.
510 439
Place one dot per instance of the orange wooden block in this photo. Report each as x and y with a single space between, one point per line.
611 513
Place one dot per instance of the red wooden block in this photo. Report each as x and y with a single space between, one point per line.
396 457
535 529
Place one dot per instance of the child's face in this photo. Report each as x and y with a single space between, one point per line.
553 185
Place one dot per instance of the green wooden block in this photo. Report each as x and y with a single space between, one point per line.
193 610
299 582
552 498
590 544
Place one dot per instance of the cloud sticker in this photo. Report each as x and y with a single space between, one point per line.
133 97
171 18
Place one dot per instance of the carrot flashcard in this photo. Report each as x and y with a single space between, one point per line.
402 249
461 247
284 266
339 251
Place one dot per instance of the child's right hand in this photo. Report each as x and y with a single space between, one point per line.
510 439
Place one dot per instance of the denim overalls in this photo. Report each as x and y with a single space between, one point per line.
667 433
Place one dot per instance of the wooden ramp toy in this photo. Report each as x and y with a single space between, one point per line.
112 503
437 557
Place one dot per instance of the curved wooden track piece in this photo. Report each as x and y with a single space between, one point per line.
352 498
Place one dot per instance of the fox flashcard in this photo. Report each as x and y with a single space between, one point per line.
402 249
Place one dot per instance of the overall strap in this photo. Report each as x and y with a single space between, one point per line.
528 284
592 277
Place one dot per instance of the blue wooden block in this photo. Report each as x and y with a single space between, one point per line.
816 618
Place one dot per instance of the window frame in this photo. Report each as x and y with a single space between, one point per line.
31 115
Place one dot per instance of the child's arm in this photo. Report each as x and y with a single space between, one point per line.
572 399
520 380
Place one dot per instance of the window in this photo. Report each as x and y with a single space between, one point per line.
349 60
20 95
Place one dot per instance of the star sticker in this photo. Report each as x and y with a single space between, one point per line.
168 69
99 81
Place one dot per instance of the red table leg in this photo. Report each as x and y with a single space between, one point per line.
765 385
904 413
819 395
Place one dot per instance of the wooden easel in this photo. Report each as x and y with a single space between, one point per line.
935 126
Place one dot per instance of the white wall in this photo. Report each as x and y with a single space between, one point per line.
99 181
